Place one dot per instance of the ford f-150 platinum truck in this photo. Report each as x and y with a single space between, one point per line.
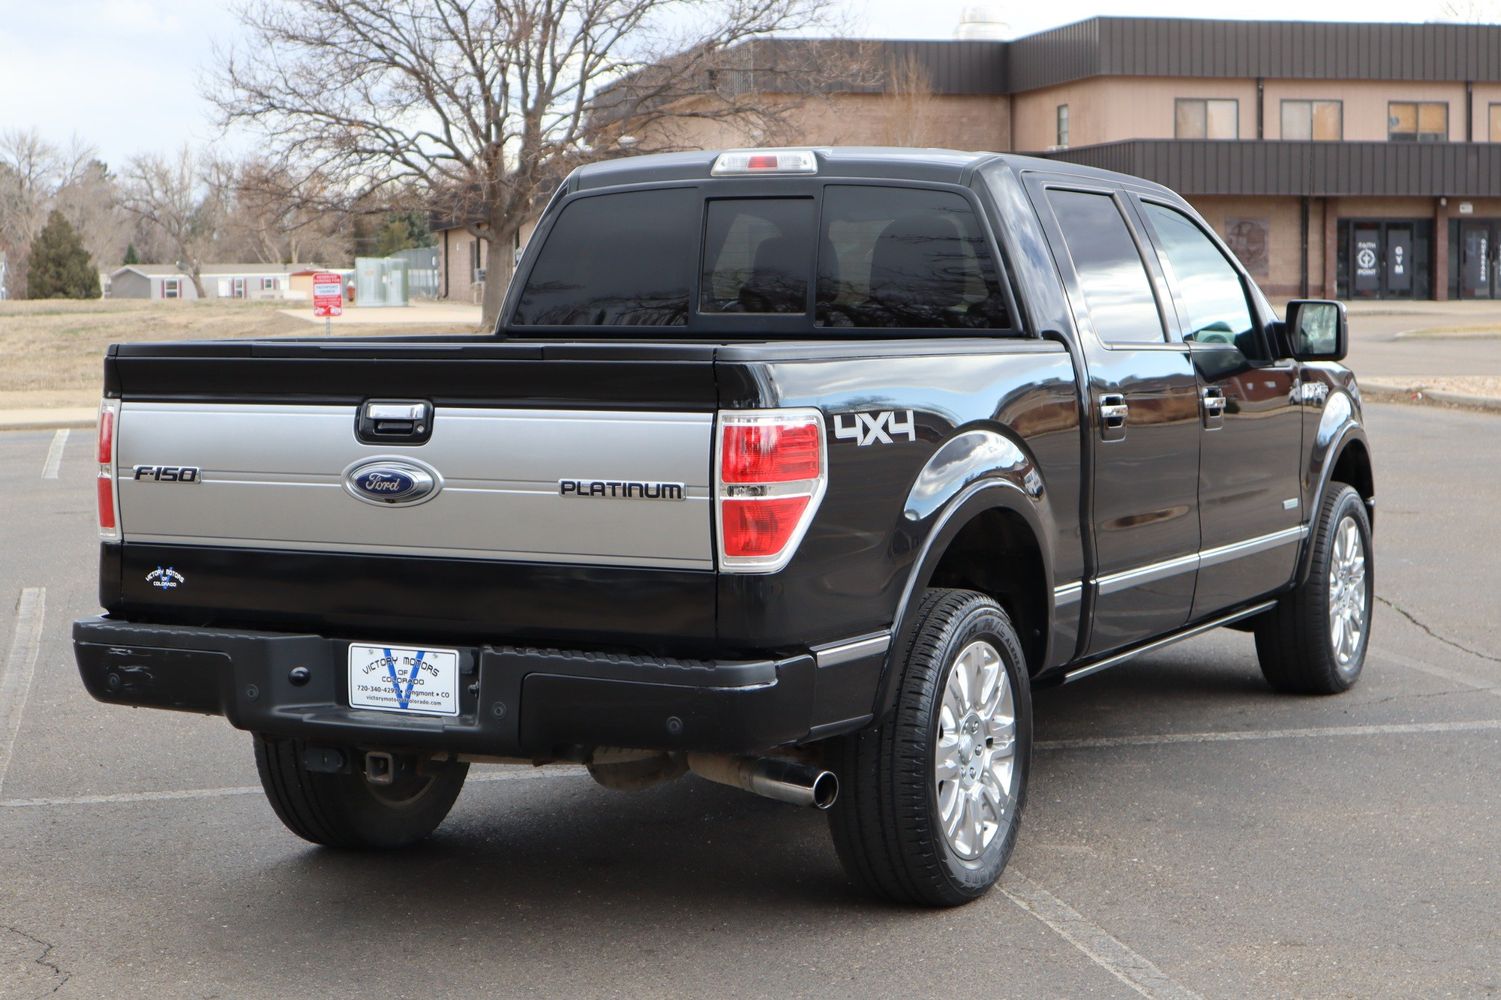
797 469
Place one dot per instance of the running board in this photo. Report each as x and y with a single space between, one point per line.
1110 661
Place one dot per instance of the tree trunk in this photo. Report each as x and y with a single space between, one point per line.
499 263
197 282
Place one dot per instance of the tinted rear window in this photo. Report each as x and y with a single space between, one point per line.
616 260
757 254
904 257
876 256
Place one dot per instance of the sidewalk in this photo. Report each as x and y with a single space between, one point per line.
1480 392
416 314
39 418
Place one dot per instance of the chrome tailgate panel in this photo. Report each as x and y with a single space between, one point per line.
273 476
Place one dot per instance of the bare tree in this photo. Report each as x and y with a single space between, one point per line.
91 203
486 103
274 216
31 172
909 121
1471 11
180 204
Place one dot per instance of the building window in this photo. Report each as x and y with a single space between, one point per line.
1323 121
1201 118
1063 125
268 284
1417 121
171 288
237 288
1495 122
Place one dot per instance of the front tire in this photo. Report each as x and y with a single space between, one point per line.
932 794
346 811
1314 641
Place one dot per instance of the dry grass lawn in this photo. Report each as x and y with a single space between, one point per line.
51 351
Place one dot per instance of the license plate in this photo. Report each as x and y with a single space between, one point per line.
404 679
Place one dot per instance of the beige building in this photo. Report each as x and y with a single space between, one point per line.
1343 160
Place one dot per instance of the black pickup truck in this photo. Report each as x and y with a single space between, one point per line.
797 469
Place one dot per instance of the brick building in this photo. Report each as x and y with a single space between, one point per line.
1347 160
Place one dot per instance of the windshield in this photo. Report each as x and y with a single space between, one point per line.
855 256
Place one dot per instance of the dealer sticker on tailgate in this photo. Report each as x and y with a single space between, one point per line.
404 679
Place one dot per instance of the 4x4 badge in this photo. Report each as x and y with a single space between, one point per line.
874 428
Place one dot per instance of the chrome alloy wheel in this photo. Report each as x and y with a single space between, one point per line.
974 762
1347 595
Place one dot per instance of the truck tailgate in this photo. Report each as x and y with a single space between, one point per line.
275 475
571 483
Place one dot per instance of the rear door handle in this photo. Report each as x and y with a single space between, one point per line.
1214 407
1113 414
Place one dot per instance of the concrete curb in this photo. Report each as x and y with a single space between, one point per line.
1418 395
47 420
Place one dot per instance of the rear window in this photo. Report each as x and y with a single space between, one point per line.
757 254
904 257
867 256
616 260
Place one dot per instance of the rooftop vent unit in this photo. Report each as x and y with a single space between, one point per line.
982 22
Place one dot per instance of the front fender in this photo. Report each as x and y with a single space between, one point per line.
1339 425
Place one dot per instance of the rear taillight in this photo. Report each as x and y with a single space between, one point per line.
105 484
770 476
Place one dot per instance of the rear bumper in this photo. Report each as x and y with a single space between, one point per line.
513 701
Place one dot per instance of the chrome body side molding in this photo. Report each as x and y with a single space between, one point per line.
1116 659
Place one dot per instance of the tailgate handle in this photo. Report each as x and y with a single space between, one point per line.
388 421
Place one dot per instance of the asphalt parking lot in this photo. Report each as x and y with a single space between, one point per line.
1188 833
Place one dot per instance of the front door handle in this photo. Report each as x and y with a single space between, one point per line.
1113 414
1214 407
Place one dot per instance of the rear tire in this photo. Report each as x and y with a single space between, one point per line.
1314 641
931 795
345 810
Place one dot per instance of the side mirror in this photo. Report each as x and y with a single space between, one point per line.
1316 330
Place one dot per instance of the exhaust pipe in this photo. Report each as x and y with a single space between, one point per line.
772 777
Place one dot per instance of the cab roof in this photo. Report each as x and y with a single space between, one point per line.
949 166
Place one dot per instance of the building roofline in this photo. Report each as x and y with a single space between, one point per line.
1170 47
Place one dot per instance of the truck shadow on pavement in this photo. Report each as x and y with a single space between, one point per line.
691 844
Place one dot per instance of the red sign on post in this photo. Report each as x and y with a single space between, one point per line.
328 294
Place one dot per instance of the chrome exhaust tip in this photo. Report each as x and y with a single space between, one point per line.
770 777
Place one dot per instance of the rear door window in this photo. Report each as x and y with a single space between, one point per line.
621 259
1112 277
758 253
904 257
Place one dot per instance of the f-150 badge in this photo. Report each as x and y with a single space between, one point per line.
875 427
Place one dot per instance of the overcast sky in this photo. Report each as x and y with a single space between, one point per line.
125 75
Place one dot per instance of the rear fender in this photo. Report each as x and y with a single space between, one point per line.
976 471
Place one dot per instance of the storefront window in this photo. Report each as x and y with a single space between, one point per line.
1417 121
1319 120
1206 118
1495 122
1063 125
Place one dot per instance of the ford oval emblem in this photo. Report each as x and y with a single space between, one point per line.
391 483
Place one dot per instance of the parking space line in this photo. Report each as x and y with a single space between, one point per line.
1102 948
54 461
168 795
1433 670
1312 732
17 671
